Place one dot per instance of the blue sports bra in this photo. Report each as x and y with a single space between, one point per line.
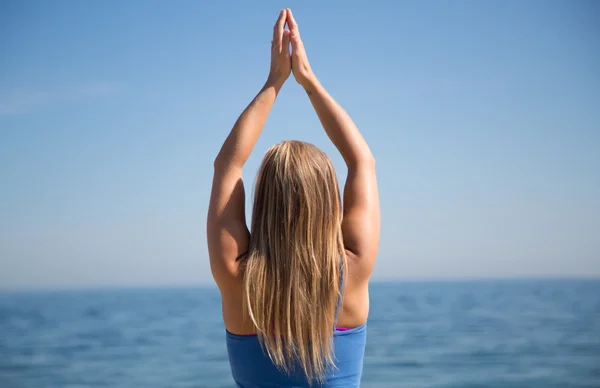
252 368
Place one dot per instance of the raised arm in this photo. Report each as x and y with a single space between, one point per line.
360 225
227 233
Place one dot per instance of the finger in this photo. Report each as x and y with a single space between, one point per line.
297 46
285 43
291 21
278 29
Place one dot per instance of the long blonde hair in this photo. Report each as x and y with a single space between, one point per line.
293 270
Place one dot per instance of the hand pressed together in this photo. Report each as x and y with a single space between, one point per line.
281 64
282 61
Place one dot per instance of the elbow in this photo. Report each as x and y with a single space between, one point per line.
222 162
370 160
366 160
218 162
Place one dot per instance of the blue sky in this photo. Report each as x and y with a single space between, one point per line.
484 118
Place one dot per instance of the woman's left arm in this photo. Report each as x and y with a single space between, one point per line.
226 228
227 233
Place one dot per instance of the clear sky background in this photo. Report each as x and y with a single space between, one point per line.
484 118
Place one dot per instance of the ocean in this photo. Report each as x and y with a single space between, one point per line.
492 333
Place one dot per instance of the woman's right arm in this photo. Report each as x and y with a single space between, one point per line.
360 226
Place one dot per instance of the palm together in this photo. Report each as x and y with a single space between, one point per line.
282 61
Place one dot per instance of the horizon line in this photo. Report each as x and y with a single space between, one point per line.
211 285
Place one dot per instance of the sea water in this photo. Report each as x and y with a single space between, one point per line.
487 333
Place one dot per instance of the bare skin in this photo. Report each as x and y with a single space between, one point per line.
227 233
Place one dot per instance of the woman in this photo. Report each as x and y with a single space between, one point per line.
295 288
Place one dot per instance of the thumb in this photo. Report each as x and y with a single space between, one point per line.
285 42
